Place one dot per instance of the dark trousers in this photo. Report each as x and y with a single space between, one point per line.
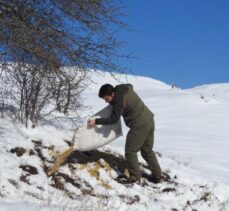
141 139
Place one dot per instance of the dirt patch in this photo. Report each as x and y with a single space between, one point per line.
58 183
34 195
68 179
37 143
205 196
40 188
38 147
129 199
29 169
31 152
1 195
39 153
60 179
18 150
166 190
24 179
13 182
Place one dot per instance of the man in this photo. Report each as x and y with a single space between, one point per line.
140 120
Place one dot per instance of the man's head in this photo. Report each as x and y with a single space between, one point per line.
106 92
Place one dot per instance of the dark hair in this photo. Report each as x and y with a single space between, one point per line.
106 90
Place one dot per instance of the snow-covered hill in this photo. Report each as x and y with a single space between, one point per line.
191 138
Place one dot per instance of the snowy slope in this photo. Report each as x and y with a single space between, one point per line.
189 123
191 136
215 91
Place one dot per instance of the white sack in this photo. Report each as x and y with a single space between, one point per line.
100 135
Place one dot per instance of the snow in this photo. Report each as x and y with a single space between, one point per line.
191 136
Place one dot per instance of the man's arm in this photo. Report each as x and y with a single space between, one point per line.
116 111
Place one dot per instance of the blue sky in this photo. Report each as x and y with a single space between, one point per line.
185 42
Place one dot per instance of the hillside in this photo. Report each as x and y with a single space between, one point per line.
191 141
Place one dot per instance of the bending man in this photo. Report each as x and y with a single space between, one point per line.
140 120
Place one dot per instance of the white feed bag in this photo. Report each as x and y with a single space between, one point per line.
100 135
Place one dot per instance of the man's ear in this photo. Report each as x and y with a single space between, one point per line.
112 94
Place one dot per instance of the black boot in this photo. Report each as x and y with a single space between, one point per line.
156 179
127 180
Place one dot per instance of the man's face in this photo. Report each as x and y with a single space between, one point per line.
108 98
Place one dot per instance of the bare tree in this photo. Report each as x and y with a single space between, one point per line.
39 38
55 33
32 93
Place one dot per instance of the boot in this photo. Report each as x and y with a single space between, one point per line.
156 179
123 179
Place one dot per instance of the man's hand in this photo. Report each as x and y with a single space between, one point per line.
91 123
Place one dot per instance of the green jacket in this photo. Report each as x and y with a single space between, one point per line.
128 104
